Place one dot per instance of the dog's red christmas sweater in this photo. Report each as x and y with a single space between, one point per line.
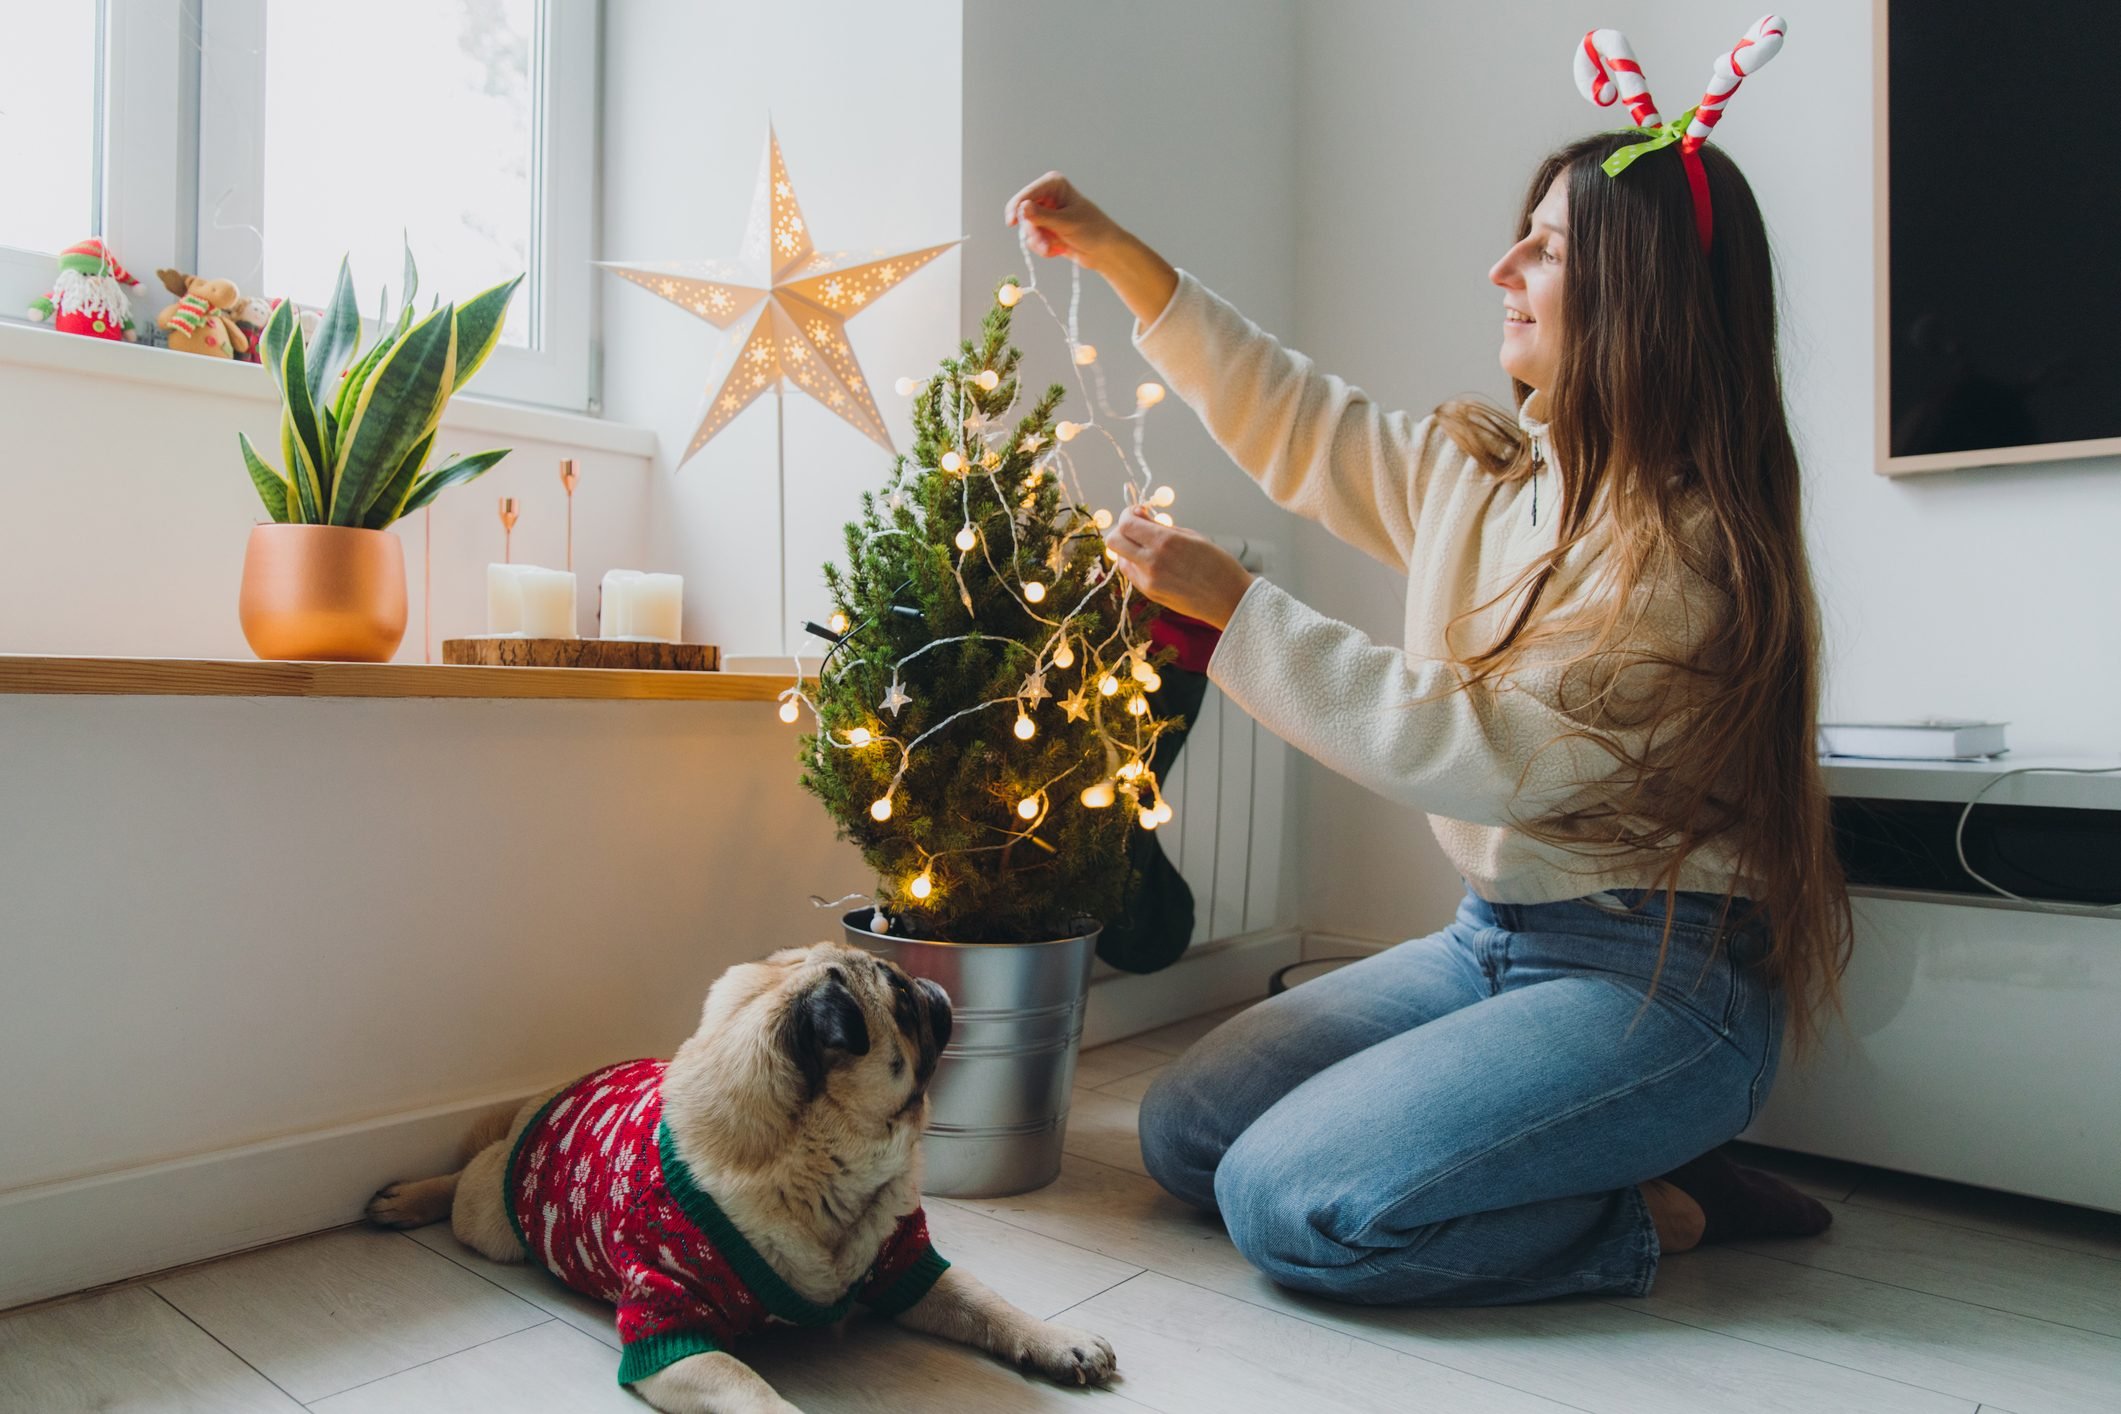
598 1193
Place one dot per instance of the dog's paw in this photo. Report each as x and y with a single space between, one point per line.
399 1205
1066 1355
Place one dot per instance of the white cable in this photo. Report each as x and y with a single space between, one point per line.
1959 841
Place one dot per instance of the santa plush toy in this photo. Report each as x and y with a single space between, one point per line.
88 296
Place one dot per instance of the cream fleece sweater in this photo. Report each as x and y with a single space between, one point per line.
1477 762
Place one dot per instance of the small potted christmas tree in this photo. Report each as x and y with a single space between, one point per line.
984 734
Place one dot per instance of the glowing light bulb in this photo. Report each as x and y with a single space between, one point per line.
1148 818
967 538
1065 431
1102 518
907 387
1163 812
1085 355
922 885
837 623
881 808
1108 684
1028 807
1152 682
1034 592
1110 553
1140 670
1099 796
788 710
1148 395
1025 727
858 737
1163 518
1138 706
1064 656
952 462
988 380
1129 771
1162 496
1008 295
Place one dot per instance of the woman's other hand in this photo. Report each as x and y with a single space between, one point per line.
1179 569
1061 221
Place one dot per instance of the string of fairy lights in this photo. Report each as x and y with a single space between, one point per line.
1116 668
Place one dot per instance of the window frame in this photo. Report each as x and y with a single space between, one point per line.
182 175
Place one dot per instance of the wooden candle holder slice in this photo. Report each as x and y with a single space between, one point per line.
581 653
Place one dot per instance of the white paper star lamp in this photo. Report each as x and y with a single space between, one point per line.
788 304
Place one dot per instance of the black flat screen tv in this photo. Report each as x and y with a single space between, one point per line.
1999 232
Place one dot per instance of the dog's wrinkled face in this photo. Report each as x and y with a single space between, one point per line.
857 1028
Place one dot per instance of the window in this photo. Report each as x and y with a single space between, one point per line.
261 142
48 147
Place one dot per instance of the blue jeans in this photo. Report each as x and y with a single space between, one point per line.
1463 1119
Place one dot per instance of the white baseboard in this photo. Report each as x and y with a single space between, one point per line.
1208 977
1318 945
64 1237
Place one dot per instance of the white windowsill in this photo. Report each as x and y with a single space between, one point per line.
30 346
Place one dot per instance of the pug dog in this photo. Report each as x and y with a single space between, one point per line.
769 1172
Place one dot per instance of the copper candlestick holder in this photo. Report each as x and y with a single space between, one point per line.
508 528
569 475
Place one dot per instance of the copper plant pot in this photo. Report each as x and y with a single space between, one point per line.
323 592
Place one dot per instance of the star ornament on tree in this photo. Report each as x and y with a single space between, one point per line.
787 304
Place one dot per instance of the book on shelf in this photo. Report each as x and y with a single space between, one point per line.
1928 739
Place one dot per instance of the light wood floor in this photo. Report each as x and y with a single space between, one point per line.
1925 1298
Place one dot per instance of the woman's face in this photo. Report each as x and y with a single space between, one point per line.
1530 276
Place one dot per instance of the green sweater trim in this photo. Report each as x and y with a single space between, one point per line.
651 1353
778 1297
508 1174
912 1284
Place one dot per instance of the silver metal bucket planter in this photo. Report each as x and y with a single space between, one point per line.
998 1107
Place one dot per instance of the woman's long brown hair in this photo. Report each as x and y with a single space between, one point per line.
1666 424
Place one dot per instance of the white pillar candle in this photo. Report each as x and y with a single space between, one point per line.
655 606
504 600
548 602
611 611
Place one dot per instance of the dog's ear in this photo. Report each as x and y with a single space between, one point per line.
938 1010
824 1021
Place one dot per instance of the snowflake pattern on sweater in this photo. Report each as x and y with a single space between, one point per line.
598 1194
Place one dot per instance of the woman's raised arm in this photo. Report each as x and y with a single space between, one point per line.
1315 443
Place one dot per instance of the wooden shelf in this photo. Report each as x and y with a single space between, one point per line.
217 677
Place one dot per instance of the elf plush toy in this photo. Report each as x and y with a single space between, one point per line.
88 295
203 320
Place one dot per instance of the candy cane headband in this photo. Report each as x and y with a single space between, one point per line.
1606 72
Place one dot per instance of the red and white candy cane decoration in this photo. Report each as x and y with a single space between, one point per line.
1606 70
1761 43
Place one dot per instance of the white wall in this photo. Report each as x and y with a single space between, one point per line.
1974 593
865 102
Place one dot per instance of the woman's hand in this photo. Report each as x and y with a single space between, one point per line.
1179 569
1061 221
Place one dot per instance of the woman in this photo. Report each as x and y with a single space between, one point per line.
1606 706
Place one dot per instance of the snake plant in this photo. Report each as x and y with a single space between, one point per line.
355 426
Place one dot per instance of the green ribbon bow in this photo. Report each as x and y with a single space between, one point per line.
1666 135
